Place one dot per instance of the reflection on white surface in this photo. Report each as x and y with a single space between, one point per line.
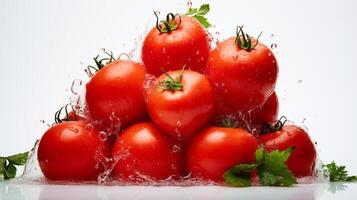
23 191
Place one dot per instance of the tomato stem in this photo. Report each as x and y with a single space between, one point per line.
168 25
228 122
58 114
267 128
99 62
170 83
244 41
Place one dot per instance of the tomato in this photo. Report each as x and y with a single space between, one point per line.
243 77
142 150
115 93
216 149
268 113
69 151
187 45
180 107
302 160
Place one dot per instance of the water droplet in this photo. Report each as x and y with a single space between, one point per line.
103 136
272 35
189 4
42 121
178 123
157 12
299 81
90 127
164 50
303 120
73 129
176 149
273 46
198 52
217 33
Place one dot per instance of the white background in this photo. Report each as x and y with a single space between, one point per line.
44 45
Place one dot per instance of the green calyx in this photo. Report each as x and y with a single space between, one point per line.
100 62
267 128
170 83
169 24
244 41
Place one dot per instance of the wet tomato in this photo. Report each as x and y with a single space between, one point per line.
302 160
115 93
144 152
69 151
243 73
213 151
180 102
187 44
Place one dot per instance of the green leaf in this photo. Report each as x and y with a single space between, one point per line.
10 171
339 173
203 20
273 171
259 156
204 9
18 159
2 162
239 175
199 14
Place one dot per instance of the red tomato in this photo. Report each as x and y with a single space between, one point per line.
187 45
213 151
116 92
181 111
242 79
69 151
142 150
268 113
302 160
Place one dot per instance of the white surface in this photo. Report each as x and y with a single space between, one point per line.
323 191
43 42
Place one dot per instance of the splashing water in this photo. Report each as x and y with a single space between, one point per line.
273 46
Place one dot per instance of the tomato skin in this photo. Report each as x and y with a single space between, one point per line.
144 149
187 45
67 151
117 91
302 160
242 80
181 113
214 150
268 113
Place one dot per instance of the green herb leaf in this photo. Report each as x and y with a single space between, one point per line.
7 164
339 173
18 159
2 162
199 14
9 171
273 170
239 175
203 20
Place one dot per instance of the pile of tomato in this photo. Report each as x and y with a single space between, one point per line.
204 110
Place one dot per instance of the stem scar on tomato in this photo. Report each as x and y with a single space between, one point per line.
168 25
244 41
